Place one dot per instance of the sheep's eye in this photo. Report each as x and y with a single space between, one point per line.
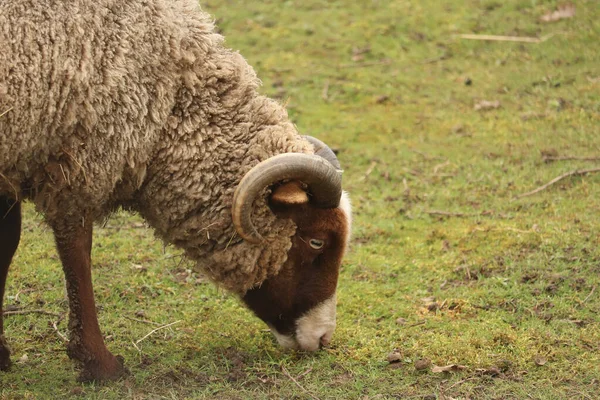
316 244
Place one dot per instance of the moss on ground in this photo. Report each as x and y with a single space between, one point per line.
446 263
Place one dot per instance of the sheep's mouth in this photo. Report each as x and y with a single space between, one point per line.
312 331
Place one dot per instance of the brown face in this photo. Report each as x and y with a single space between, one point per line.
298 304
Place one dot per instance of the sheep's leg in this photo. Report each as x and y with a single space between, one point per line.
10 233
74 243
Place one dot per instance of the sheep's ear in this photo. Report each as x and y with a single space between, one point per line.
289 194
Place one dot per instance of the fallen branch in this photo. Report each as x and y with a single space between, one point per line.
24 312
577 172
155 330
500 38
286 373
55 327
567 158
416 324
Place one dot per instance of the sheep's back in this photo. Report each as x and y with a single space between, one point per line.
86 87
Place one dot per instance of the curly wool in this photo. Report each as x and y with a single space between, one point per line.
138 104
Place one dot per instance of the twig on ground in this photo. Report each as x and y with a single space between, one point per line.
584 395
447 213
325 92
416 324
157 329
461 382
55 327
367 64
505 229
568 158
369 170
458 214
427 156
24 291
286 373
136 346
500 38
302 375
406 191
440 166
24 312
144 321
435 59
589 295
576 172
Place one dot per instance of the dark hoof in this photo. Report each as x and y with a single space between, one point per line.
4 355
5 362
110 368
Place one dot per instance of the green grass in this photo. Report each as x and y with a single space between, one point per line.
507 285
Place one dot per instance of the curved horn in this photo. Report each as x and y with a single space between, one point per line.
323 180
322 150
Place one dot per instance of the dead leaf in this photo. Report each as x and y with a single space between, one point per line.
401 321
382 99
361 50
565 11
445 245
540 360
358 53
484 105
139 267
430 303
448 368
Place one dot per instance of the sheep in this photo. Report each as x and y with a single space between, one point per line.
139 105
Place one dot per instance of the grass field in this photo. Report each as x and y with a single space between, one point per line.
438 136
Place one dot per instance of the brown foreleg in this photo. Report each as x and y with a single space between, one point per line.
10 233
74 243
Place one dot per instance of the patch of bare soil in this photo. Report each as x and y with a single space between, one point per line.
237 361
182 374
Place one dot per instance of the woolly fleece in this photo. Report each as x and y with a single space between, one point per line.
137 104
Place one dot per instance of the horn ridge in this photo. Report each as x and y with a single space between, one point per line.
324 183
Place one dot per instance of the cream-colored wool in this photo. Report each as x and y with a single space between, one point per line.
137 104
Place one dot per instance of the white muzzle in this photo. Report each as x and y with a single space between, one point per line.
313 330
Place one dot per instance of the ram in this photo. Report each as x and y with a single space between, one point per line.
138 105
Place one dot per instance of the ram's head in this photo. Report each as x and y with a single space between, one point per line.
299 303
